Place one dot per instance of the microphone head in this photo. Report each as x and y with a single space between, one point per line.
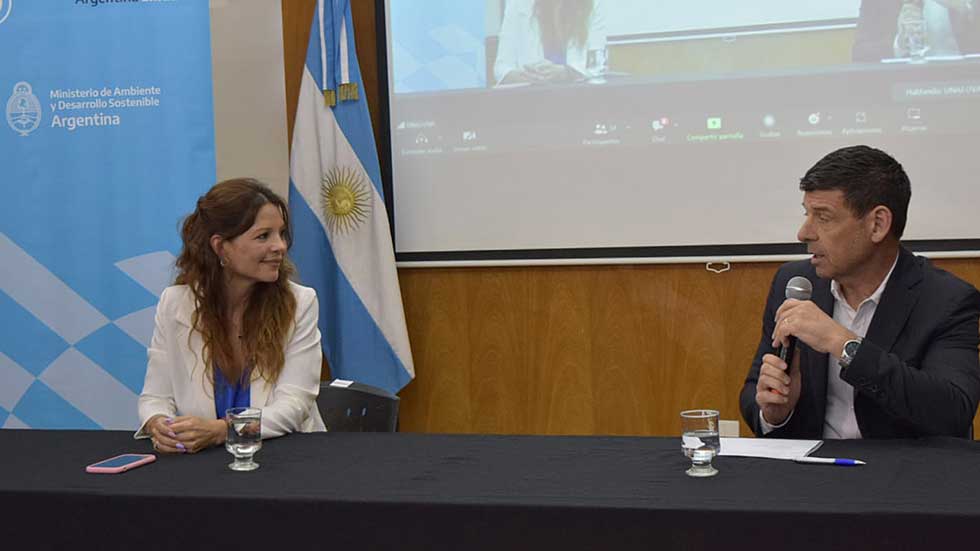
799 288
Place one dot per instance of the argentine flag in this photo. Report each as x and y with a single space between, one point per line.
342 243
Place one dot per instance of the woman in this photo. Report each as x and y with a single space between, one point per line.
548 40
233 331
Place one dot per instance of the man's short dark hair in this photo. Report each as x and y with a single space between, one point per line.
868 177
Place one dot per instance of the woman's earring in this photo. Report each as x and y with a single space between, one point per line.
223 263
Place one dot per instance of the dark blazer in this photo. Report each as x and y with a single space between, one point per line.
878 24
917 372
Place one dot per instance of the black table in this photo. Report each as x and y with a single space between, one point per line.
427 491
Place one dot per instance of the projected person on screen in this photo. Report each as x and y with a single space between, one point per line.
234 331
948 28
550 41
887 345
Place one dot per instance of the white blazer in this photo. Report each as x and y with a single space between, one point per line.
519 42
175 383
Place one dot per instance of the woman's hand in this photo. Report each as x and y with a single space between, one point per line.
193 434
516 76
541 72
162 435
546 71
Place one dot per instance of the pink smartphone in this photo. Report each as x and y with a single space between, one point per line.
121 463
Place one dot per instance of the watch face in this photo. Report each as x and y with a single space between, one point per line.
851 348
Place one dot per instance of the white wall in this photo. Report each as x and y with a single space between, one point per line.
250 91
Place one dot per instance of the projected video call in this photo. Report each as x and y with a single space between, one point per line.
456 45
559 94
854 67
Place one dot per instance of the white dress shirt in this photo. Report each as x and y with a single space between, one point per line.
520 43
839 419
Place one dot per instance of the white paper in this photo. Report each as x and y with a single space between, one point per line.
769 448
691 442
342 383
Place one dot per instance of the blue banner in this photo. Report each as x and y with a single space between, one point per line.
107 141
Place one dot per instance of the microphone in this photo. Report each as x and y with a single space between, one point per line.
798 288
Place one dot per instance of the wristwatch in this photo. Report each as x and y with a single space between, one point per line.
850 350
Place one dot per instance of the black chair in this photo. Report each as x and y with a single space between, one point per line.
357 408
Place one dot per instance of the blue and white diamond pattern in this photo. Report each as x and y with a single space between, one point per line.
439 47
63 363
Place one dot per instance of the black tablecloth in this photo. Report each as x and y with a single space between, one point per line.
426 491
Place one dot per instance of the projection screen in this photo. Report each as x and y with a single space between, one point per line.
671 130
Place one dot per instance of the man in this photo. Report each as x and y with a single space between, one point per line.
887 345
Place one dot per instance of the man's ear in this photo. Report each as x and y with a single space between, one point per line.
880 220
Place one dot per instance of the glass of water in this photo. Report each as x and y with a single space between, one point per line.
597 65
700 440
914 31
244 437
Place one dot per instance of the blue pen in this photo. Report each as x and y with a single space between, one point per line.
830 461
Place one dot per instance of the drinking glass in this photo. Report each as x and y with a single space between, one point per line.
700 440
597 65
244 437
914 31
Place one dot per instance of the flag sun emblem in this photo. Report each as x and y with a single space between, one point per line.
346 199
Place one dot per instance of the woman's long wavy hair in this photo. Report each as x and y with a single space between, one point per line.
228 210
563 22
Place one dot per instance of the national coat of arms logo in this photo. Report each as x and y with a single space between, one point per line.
23 109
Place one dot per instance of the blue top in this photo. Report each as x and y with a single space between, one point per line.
227 396
558 55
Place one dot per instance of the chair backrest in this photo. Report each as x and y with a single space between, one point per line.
357 408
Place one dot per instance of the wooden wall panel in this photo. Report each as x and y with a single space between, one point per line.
566 350
297 15
577 350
